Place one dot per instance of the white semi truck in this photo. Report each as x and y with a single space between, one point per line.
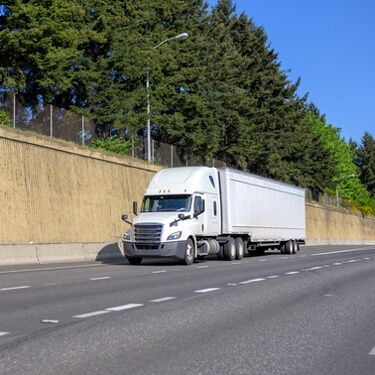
190 212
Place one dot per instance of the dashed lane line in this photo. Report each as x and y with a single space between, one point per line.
52 268
202 267
4 333
16 287
164 299
100 278
208 290
372 352
90 314
162 271
272 277
251 281
124 307
291 273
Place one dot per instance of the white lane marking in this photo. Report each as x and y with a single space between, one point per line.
124 307
372 352
344 251
4 333
366 258
314 268
52 268
50 321
328 295
354 260
284 258
236 263
163 271
302 256
90 314
100 278
164 299
206 290
262 260
231 284
291 273
272 277
336 264
16 287
327 266
251 281
202 267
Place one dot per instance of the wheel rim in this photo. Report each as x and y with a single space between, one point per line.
189 252
233 251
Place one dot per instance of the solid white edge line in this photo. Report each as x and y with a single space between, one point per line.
90 314
4 333
251 281
124 307
206 290
52 268
16 287
344 251
372 352
164 299
100 278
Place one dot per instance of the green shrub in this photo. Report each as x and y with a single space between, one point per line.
113 144
5 119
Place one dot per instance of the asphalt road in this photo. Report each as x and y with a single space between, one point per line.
311 313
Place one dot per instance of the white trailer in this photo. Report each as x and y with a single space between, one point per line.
191 212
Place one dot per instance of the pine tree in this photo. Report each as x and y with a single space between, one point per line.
366 162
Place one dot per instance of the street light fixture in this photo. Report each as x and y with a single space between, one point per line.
182 36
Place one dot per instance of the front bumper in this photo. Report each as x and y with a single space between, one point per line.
173 249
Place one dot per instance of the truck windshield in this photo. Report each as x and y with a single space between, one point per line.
166 203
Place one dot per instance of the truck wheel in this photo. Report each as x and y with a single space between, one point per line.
135 261
298 246
239 248
189 253
282 248
230 249
295 246
289 247
220 254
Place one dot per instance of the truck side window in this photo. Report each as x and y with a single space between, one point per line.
215 209
197 203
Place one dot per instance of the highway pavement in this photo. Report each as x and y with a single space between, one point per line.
310 313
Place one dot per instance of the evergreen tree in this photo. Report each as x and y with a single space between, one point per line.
366 162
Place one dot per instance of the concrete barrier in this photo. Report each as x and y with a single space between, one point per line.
59 253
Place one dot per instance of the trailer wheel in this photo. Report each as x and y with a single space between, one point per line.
298 246
230 249
239 248
189 253
289 247
134 261
295 246
220 254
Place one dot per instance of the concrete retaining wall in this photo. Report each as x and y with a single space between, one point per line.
61 202
330 225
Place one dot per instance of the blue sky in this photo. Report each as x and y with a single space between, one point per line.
331 46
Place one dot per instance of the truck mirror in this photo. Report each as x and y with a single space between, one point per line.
181 216
135 208
124 217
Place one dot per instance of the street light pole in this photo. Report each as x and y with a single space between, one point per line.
182 36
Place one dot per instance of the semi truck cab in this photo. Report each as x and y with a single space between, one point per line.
180 206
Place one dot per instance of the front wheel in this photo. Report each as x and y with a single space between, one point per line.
135 261
189 253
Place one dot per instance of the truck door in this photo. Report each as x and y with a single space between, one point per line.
198 221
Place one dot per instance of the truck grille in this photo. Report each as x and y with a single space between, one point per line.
148 233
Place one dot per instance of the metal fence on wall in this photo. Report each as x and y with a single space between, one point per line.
52 121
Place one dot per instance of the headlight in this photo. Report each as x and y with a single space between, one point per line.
126 236
174 236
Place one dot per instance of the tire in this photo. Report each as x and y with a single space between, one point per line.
189 253
230 249
134 261
240 248
298 246
289 247
295 246
220 254
282 248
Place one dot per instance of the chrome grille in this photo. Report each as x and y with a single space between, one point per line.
148 233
